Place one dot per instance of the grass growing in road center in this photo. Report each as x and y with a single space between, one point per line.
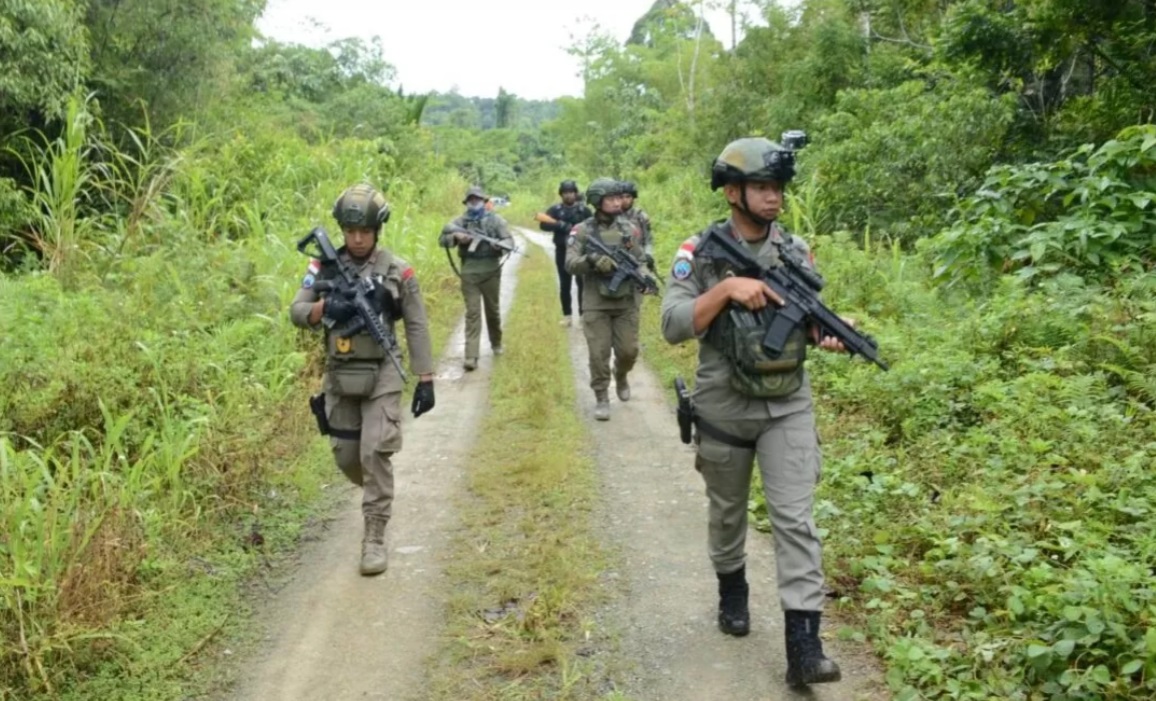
525 563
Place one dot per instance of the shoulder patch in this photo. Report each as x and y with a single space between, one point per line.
311 273
407 273
682 268
686 250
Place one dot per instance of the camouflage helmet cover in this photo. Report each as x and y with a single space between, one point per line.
475 191
752 158
361 206
600 188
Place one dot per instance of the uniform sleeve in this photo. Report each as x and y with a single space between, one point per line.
683 286
576 263
306 296
501 228
446 240
647 236
417 335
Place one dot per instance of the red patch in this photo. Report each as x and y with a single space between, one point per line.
811 255
687 246
314 265
406 274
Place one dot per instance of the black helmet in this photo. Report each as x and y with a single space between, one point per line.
629 188
567 186
752 159
602 187
361 206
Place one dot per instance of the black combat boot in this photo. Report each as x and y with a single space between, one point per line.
733 616
806 663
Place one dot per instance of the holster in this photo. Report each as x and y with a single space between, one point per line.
685 411
317 406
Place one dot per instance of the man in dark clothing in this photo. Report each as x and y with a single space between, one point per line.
567 213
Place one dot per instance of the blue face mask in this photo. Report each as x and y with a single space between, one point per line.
475 209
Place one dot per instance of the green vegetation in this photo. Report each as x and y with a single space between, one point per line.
525 563
978 190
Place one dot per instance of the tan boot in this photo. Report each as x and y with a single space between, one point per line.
622 387
601 406
374 552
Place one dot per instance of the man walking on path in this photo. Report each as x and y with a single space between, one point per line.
566 215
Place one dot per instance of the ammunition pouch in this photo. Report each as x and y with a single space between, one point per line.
738 334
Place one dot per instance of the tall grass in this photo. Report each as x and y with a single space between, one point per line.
154 416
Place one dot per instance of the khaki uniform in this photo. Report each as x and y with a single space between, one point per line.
782 429
481 275
609 322
362 387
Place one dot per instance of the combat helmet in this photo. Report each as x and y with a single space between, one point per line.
567 186
361 206
629 188
752 158
602 187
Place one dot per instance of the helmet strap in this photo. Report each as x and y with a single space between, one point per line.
746 209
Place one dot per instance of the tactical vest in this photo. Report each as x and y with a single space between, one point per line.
353 362
625 239
737 333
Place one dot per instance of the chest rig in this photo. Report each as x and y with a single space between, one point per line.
737 333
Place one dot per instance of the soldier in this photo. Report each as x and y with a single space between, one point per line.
362 388
758 408
481 271
640 218
567 213
609 319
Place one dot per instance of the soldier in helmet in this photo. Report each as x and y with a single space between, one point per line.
640 218
568 213
754 410
609 319
481 271
362 388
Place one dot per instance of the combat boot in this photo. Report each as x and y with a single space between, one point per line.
601 406
734 618
470 364
622 387
806 663
374 553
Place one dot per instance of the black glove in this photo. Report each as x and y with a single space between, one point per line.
339 308
649 261
423 398
384 300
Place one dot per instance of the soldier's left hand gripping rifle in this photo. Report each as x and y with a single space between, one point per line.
799 288
627 268
359 290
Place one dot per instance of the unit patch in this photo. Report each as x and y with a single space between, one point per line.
682 269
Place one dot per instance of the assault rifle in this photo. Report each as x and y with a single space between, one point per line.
627 267
359 290
506 245
799 288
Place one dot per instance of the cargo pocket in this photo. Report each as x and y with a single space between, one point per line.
711 456
804 455
391 426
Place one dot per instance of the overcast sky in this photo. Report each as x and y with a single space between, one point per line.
474 46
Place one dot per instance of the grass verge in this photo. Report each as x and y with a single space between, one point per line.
525 565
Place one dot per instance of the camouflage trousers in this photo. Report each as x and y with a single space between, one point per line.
366 461
787 452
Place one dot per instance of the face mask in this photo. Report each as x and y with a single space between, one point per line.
476 209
